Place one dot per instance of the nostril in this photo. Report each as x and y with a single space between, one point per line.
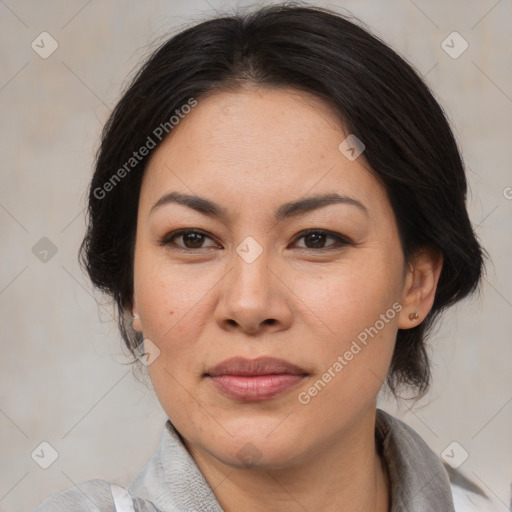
271 321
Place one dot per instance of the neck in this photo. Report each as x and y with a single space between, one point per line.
345 473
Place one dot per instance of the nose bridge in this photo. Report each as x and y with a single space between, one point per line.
251 297
251 277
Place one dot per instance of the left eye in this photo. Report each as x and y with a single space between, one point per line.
316 239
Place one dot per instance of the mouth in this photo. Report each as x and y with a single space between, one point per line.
254 380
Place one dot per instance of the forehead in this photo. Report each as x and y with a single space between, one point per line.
260 144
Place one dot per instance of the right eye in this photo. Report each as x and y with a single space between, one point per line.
191 239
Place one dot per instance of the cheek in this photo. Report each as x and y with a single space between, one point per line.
167 294
359 304
353 361
352 296
173 304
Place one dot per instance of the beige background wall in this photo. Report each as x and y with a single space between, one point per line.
62 378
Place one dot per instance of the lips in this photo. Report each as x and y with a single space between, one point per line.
254 379
255 367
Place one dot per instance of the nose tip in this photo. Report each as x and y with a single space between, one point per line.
252 299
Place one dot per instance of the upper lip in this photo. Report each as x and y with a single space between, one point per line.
259 366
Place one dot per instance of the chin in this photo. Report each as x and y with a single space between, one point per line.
264 443
259 454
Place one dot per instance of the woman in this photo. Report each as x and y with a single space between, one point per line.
278 211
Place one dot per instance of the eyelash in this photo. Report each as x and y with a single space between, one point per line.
341 240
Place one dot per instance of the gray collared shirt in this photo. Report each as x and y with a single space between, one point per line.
172 482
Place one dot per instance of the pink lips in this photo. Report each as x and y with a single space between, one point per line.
254 379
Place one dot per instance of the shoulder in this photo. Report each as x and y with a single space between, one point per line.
95 496
417 477
415 470
150 483
92 495
405 449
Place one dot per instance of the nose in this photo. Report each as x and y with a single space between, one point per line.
253 299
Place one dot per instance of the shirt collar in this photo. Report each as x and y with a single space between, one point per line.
419 481
173 482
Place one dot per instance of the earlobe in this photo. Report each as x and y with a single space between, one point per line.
136 320
420 287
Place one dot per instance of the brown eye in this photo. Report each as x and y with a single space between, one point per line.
190 239
316 239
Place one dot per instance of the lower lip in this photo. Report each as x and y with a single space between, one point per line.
260 387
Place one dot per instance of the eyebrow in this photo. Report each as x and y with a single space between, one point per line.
285 211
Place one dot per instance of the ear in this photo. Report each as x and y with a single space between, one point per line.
136 320
420 287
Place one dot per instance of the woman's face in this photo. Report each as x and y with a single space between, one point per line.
243 280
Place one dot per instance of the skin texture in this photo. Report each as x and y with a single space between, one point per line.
250 151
